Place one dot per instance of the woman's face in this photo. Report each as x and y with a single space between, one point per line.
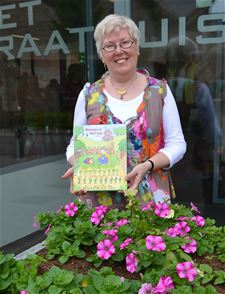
120 61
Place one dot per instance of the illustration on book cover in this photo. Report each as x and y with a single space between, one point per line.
100 157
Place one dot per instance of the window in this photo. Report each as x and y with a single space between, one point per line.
183 42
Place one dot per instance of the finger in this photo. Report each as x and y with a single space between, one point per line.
71 186
136 182
68 173
134 186
72 191
130 175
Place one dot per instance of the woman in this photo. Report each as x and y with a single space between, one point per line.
145 104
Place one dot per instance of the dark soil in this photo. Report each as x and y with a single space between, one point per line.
82 266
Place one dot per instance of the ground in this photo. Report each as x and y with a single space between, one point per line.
82 266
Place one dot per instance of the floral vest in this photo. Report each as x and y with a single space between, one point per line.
144 136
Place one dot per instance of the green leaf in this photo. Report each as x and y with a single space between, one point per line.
106 271
125 286
80 253
87 242
76 282
98 282
183 290
174 247
60 277
43 282
32 288
206 268
185 256
63 259
207 278
4 284
66 245
92 258
75 291
4 270
210 290
220 277
54 290
90 290
220 274
97 263
219 281
221 257
112 281
171 257
146 263
158 259
199 290
118 256
6 258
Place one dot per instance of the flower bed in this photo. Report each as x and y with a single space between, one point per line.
157 248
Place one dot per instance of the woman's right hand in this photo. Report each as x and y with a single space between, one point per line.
69 174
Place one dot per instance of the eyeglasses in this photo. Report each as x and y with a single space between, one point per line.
112 47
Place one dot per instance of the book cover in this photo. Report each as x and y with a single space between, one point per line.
100 157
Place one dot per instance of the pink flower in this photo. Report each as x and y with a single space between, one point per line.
122 222
35 225
125 243
146 289
112 234
199 220
148 206
71 209
24 292
155 243
194 208
162 209
186 270
131 262
102 208
190 247
182 228
105 249
171 232
97 216
48 229
164 285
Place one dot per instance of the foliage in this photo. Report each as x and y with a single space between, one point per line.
159 242
7 269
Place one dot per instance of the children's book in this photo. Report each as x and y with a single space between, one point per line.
100 157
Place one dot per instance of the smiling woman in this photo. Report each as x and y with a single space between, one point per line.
132 97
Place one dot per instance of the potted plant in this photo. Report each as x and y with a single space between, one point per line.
155 248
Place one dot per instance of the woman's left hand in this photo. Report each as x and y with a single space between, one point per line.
135 176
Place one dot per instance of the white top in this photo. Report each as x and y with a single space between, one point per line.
175 145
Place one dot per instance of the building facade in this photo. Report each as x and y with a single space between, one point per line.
47 53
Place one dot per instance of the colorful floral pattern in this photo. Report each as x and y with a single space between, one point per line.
144 135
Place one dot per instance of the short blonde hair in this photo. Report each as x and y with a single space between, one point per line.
114 23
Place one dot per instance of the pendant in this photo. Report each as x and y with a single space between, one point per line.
122 92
